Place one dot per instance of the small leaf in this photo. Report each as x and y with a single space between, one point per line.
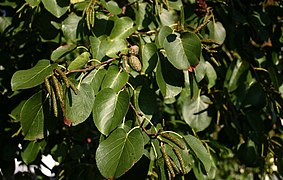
4 23
31 151
123 151
216 32
109 109
32 117
149 57
33 3
79 107
113 7
56 7
115 78
199 150
195 113
61 51
210 75
123 28
183 51
25 79
80 61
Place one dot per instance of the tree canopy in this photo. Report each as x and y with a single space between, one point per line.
163 89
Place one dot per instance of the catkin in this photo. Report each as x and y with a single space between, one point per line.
174 140
65 78
47 85
180 158
167 161
74 88
175 167
58 88
54 103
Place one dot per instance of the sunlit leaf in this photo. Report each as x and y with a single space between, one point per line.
123 149
56 7
61 51
80 61
109 109
29 78
70 27
123 28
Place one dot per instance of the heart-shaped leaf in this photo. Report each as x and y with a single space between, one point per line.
183 50
115 78
25 79
32 117
195 113
79 107
109 109
56 7
119 152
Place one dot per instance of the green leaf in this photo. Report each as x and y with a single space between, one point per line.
4 23
80 61
109 109
195 113
199 151
61 51
31 151
216 32
70 27
210 75
143 15
167 17
149 57
78 107
123 28
33 3
123 151
115 46
147 101
32 117
76 1
56 7
113 7
98 46
183 51
25 79
235 73
161 37
115 78
169 79
94 79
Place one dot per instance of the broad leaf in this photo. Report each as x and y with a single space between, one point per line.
80 61
113 7
32 117
115 78
195 113
109 109
56 7
149 57
167 82
210 75
163 33
4 23
61 51
78 107
94 79
98 46
199 151
216 32
70 27
123 28
31 151
183 50
143 15
25 79
115 46
119 152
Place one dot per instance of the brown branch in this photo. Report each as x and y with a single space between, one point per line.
138 114
91 67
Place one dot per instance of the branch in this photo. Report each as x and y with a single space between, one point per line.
205 22
138 114
91 67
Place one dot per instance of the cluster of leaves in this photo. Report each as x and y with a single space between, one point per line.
162 89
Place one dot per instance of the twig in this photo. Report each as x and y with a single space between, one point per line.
205 22
138 114
91 67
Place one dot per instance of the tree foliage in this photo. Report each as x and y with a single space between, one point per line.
142 89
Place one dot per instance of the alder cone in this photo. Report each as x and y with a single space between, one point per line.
135 63
134 50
